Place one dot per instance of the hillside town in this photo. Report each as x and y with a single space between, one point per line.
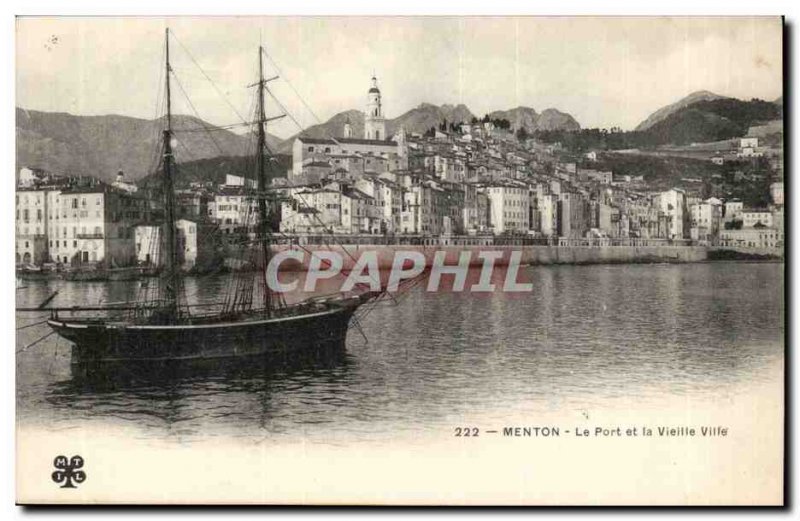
478 179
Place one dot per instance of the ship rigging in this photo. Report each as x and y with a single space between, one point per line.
162 325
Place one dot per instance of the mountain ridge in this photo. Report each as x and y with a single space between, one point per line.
101 145
713 120
426 115
667 110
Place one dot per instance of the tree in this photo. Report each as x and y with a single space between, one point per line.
733 225
522 134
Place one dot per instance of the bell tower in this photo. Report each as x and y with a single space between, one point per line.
374 122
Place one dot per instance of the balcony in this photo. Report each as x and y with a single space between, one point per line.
89 236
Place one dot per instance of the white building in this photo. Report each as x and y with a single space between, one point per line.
120 184
509 209
233 209
83 225
776 192
752 238
150 248
27 178
756 217
319 210
733 210
748 147
307 149
706 219
672 205
545 213
31 227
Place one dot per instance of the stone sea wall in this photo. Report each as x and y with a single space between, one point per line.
530 255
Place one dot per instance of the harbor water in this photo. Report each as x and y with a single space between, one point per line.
586 339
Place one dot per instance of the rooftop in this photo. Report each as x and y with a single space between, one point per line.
316 140
376 142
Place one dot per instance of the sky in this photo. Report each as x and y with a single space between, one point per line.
606 72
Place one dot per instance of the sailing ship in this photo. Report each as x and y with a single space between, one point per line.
163 326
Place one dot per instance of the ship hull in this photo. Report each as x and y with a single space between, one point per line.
109 342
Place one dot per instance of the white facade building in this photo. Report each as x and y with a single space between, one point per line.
508 208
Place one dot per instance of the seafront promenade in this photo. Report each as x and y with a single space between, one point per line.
534 251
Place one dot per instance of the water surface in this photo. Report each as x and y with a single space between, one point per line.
587 338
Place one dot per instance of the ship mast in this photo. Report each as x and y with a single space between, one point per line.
171 281
263 227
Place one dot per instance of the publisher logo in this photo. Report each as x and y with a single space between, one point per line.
68 472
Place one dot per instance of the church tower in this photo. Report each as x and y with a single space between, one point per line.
374 122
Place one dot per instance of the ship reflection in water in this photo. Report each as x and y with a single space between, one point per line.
168 395
588 338
110 377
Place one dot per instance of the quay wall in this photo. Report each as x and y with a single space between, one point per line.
530 254
745 252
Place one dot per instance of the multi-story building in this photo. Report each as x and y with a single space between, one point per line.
508 207
192 204
707 217
92 224
544 211
31 227
752 238
733 210
673 214
390 197
449 168
191 249
320 210
573 215
756 217
233 209
380 154
428 209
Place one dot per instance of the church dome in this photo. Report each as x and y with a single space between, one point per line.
374 88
